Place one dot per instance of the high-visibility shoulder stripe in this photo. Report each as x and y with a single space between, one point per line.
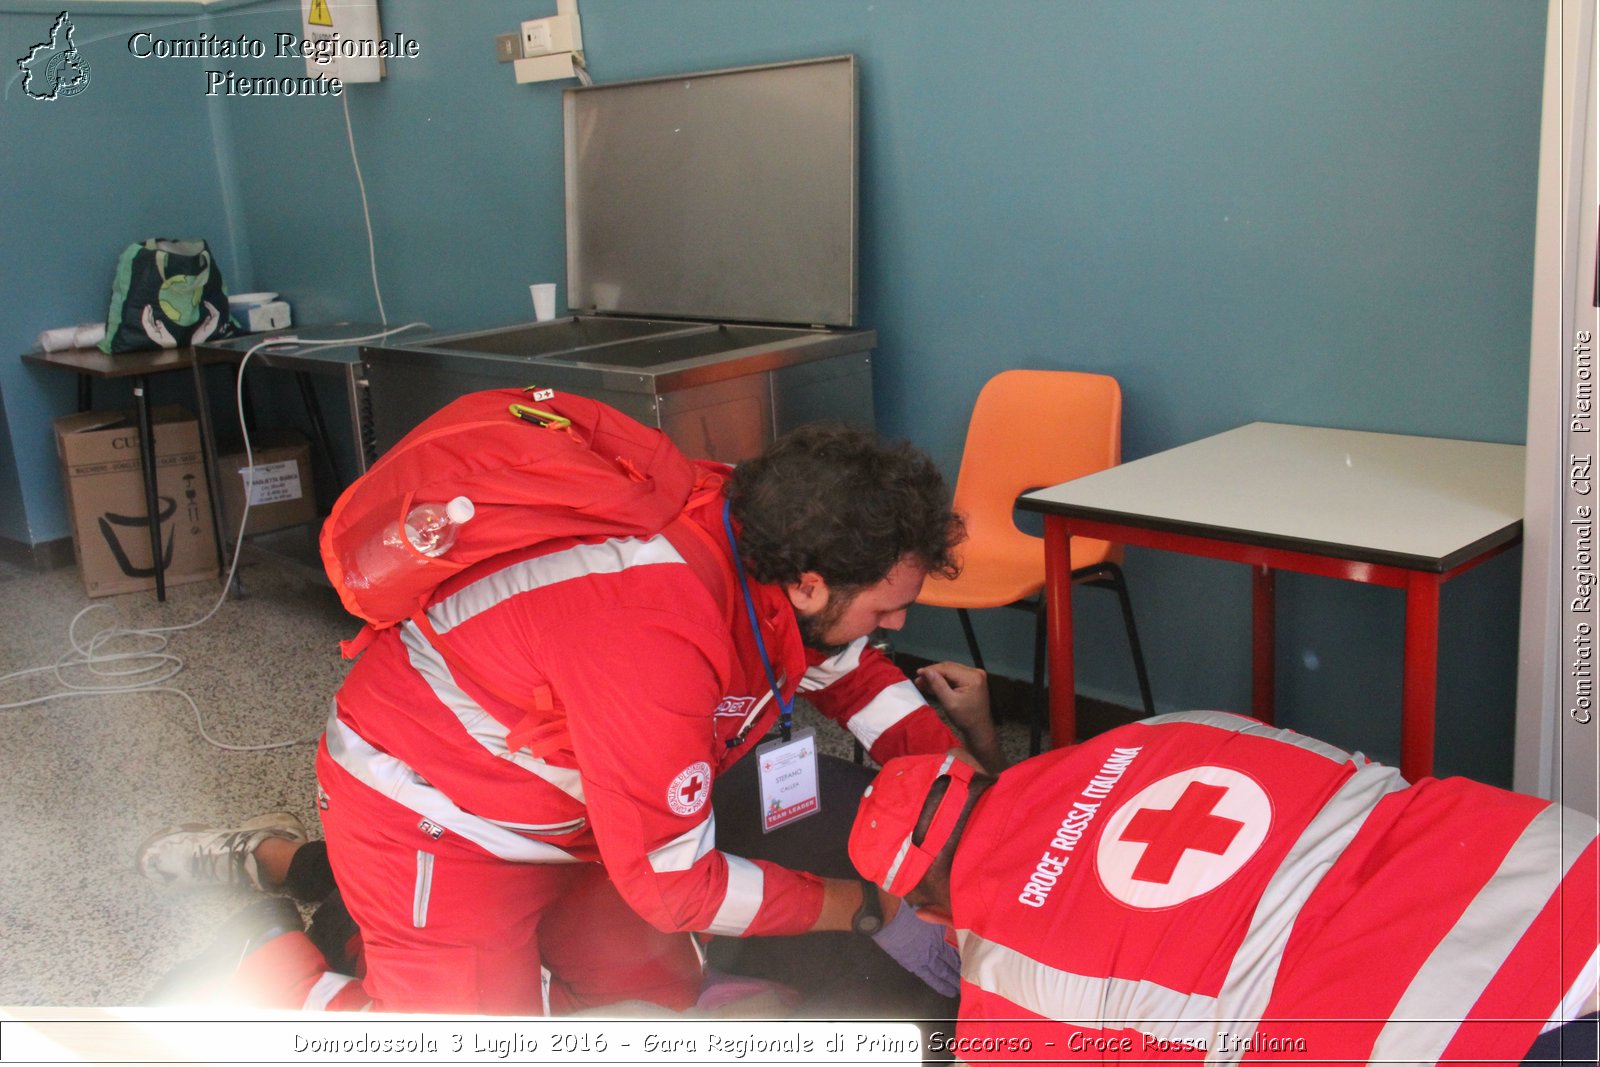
606 557
1240 724
1084 1000
1463 962
479 725
821 675
742 899
892 704
396 780
685 850
1247 990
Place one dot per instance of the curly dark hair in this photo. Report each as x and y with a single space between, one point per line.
832 498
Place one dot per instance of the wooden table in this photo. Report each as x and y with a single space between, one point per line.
90 364
1388 509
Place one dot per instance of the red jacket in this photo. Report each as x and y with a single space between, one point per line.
648 668
1201 885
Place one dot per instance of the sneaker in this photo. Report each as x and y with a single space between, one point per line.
195 854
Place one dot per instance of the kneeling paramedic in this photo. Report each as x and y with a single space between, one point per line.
501 862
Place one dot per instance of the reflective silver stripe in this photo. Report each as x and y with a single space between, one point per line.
1082 1000
742 899
1240 724
1248 988
1466 959
884 710
834 667
683 851
423 890
542 829
899 858
905 845
1577 999
389 776
482 727
326 988
607 557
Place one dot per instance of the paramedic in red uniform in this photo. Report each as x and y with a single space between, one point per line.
1202 888
499 865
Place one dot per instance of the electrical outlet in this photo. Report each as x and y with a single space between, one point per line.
507 47
542 37
536 37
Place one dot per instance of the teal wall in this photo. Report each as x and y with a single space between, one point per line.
1316 211
130 157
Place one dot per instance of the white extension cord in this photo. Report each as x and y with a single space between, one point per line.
133 660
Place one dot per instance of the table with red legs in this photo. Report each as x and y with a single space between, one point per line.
1387 509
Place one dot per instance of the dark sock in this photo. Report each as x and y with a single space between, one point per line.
336 936
310 877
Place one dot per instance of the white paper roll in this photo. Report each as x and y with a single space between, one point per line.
84 336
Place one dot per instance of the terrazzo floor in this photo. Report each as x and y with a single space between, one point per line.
86 779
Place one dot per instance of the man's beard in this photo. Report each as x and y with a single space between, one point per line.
817 624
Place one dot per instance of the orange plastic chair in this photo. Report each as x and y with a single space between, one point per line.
1031 429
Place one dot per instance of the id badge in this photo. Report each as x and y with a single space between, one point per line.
788 774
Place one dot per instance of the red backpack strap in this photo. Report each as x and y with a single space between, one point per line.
544 729
698 546
359 643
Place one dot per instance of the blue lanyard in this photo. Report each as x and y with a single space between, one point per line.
785 707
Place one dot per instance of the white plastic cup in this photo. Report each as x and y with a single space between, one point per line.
544 300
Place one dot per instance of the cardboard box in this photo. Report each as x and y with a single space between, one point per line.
282 493
100 465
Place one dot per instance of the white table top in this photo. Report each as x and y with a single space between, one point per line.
1425 503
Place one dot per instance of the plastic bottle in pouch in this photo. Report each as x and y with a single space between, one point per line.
430 528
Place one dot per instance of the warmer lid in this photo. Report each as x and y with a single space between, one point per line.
728 195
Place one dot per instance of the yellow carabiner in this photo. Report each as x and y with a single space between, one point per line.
547 419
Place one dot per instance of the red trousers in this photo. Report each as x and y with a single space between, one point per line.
449 928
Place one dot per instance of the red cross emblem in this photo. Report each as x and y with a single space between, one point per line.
692 790
1182 836
1189 824
688 792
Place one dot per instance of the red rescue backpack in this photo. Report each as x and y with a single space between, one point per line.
536 465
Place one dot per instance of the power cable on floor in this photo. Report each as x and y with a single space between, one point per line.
134 659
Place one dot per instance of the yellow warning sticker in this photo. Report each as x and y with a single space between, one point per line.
320 15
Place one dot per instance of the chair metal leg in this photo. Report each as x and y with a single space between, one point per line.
972 638
1109 576
1103 575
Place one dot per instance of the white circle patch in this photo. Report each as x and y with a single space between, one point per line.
1182 836
689 791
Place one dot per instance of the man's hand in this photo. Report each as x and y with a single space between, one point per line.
962 693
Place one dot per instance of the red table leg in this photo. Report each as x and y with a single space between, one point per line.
1058 602
1419 690
1264 641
